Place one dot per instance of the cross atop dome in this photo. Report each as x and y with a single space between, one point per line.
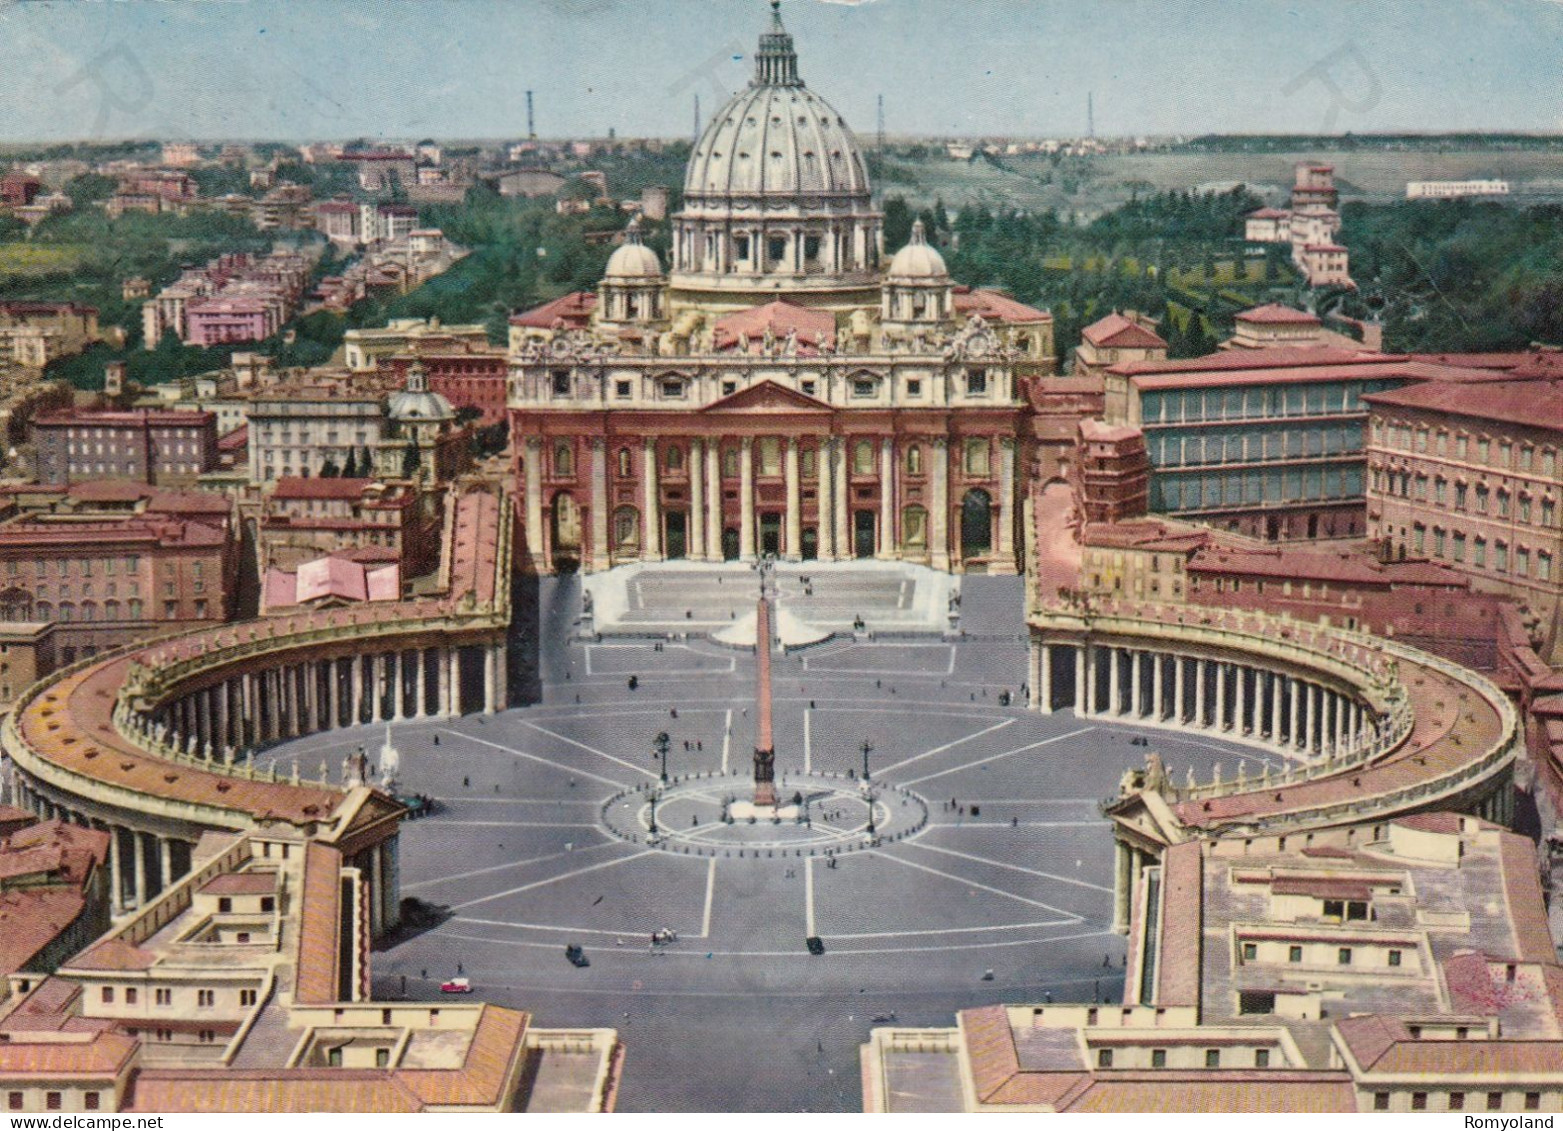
776 63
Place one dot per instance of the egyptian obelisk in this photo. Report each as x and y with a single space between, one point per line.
764 748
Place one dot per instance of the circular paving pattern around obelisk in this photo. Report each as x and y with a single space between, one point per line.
714 815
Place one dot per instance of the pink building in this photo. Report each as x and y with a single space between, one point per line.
218 321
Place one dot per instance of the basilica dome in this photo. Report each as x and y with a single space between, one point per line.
634 260
777 141
919 261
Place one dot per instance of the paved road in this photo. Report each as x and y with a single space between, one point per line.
1014 879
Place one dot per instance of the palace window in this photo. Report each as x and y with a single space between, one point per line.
1483 449
976 382
1500 557
1438 541
1524 508
561 380
1481 498
1479 553
863 458
1549 511
1522 561
1461 492
1503 503
673 390
741 247
914 387
622 390
1459 547
1543 566
914 460
862 388
1261 1058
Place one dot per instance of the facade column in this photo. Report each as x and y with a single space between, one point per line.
696 550
1080 679
455 681
1091 657
533 473
939 504
421 708
602 552
490 674
746 550
1199 692
334 693
140 868
312 694
502 675
714 500
887 541
793 550
825 496
1179 699
1114 683
295 715
1044 680
651 517
376 894
845 548
1007 516
165 860
395 665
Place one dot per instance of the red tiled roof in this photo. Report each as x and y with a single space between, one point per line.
31 919
106 1054
1216 1091
1268 214
113 954
241 883
996 307
318 926
1117 332
571 311
1538 403
813 327
293 487
1274 314
1183 869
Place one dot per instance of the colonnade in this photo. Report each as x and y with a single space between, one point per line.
142 863
1292 713
252 707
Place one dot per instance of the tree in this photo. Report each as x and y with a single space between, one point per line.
350 469
898 223
329 469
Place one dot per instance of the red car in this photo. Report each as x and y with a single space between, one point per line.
456 986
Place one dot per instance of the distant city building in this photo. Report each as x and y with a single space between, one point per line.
181 154
35 333
365 348
301 428
234 298
1115 339
530 183
1448 190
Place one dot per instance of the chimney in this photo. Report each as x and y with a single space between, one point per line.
114 379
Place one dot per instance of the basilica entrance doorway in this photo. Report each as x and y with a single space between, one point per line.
976 523
810 545
729 545
770 534
677 536
863 534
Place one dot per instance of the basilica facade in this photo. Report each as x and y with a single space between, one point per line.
784 390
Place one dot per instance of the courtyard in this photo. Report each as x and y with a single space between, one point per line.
990 878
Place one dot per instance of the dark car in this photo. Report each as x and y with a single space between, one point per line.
815 944
576 955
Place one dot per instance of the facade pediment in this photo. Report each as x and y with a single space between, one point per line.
767 397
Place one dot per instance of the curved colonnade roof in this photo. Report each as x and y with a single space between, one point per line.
1454 723
70 723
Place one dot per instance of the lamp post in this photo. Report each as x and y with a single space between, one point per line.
868 792
662 742
653 815
867 749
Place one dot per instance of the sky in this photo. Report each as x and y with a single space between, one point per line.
405 69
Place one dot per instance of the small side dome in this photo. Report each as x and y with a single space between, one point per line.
918 261
634 260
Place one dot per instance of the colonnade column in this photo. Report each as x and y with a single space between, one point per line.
1199 692
651 517
1275 707
1294 737
1257 721
422 707
442 681
1158 686
602 553
455 681
116 874
1114 683
939 504
1135 695
746 500
139 863
1220 721
1080 679
1337 705
697 501
794 546
887 544
355 702
1179 700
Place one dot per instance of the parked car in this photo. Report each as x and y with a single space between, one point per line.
576 955
815 944
456 986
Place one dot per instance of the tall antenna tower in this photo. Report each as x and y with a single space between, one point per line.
697 119
1090 114
881 140
531 122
